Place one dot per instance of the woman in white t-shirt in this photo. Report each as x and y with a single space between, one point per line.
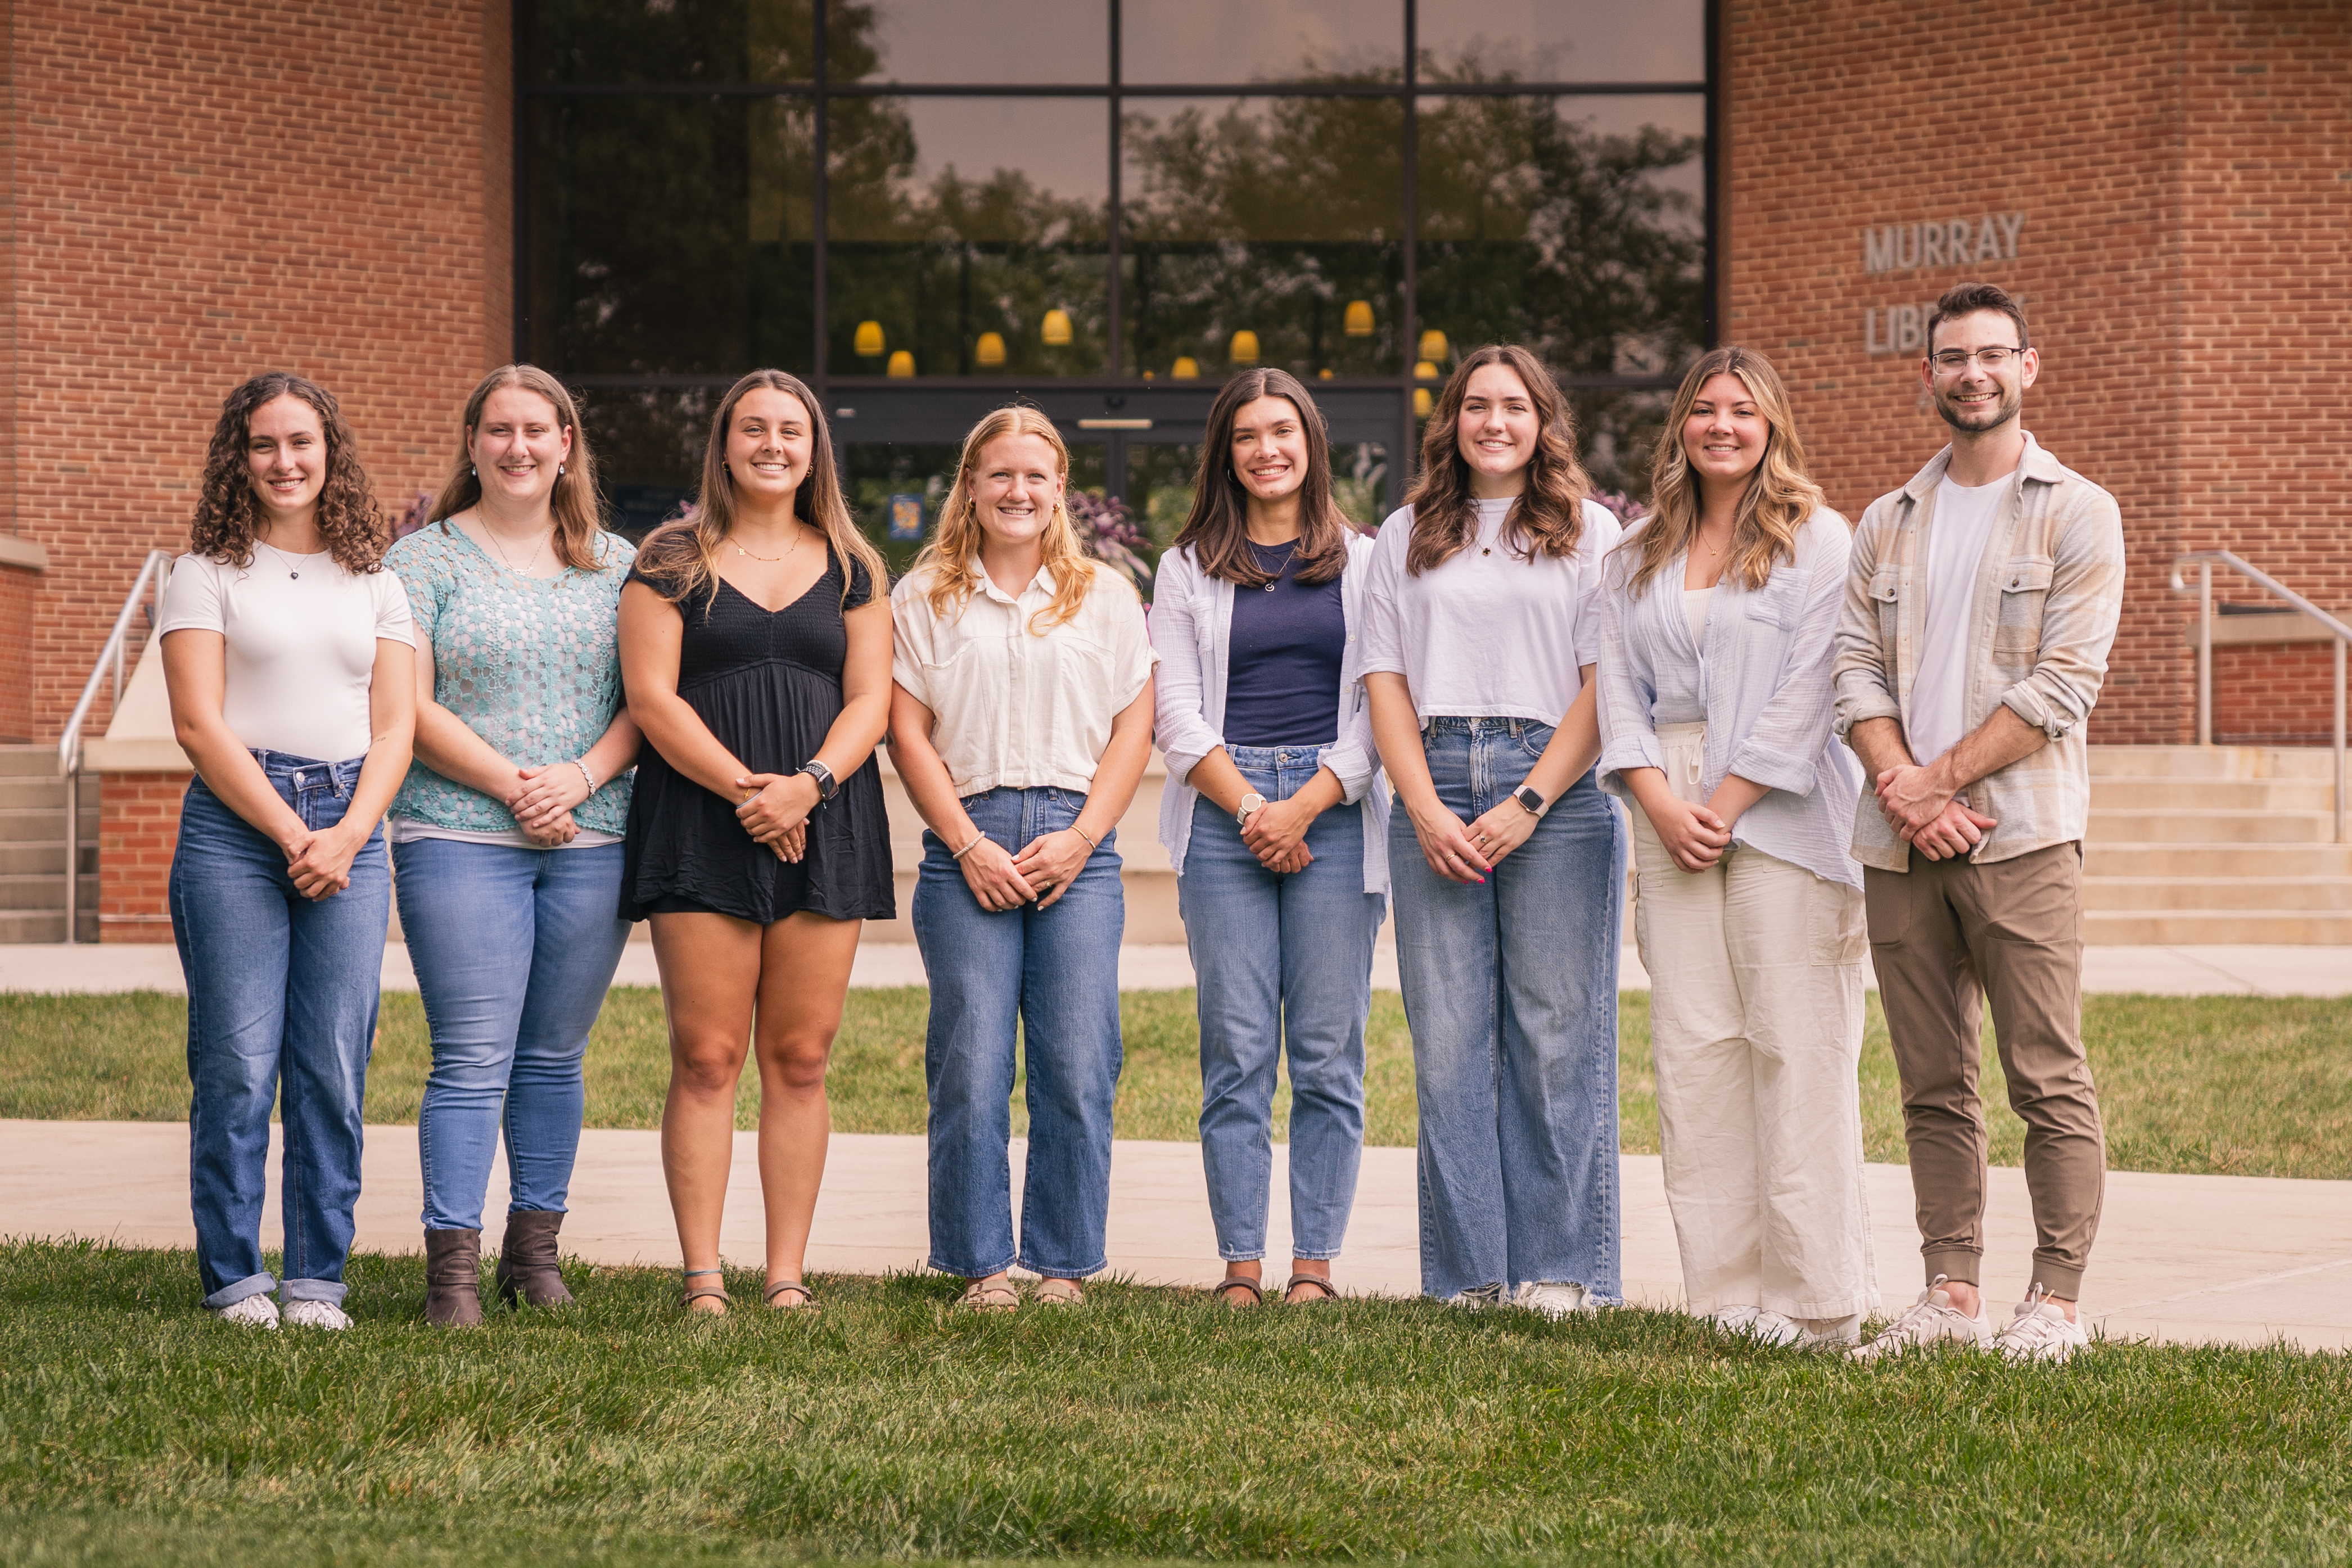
1505 862
1020 725
289 656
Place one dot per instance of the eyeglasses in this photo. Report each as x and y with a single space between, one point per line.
1992 359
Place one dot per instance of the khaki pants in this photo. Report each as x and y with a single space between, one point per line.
1756 1029
1947 937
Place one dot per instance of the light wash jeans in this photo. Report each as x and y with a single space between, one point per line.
1510 988
281 987
1275 956
1048 977
514 950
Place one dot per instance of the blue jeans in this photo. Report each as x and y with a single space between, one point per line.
279 987
1510 988
514 950
1280 955
1052 974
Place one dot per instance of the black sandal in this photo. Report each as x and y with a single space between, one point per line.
1316 1281
695 1292
1226 1286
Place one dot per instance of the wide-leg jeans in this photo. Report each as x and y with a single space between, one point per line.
1510 988
280 988
1280 955
1048 978
514 950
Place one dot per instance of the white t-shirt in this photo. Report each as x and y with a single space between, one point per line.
301 635
1957 536
1487 634
1015 708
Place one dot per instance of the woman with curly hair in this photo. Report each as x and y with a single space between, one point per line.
1718 629
288 654
1506 863
506 835
1020 721
755 643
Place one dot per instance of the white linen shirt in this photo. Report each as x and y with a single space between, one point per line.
1017 709
1487 634
1193 626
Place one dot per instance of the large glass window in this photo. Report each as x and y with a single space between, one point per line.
925 207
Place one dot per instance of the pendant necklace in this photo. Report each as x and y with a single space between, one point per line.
770 560
492 535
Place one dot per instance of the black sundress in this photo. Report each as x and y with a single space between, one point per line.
769 686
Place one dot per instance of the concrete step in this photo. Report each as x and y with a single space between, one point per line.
2153 894
28 891
2155 794
28 761
44 926
2213 761
23 793
2256 862
2210 827
2199 928
44 857
22 824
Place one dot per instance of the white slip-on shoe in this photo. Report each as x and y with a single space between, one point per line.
1769 1327
1932 1320
1830 1333
1734 1319
2040 1332
253 1312
315 1315
1553 1298
1476 1299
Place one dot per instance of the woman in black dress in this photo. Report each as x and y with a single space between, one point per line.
755 644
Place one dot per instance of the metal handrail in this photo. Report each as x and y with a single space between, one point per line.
2206 561
157 568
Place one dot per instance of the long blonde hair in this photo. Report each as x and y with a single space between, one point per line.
953 550
682 556
572 503
1780 497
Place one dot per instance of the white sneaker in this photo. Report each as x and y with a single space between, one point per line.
1476 1299
315 1315
1830 1333
2040 1332
1553 1298
253 1312
1931 1320
1769 1327
1734 1319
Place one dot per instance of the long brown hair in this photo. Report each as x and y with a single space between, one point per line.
952 550
228 515
571 503
683 554
1780 495
1217 528
1548 516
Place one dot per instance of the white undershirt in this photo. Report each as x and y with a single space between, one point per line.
1694 603
1957 536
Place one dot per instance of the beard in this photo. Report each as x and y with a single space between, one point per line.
1983 419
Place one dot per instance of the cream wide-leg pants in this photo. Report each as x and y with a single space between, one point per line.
1756 1031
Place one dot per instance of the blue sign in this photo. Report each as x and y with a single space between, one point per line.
906 517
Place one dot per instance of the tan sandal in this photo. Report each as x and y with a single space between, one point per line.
997 1295
695 1292
1058 1292
1222 1291
807 1303
1330 1292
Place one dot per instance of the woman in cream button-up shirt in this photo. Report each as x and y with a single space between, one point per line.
1020 725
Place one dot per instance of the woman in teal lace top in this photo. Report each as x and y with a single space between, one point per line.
506 835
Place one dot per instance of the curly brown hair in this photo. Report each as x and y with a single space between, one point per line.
228 515
1548 518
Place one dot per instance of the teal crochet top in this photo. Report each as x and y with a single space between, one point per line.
532 665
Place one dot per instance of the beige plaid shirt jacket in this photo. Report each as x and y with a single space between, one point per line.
2048 594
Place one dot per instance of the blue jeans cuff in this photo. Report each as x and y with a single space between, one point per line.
1097 1267
251 1285
328 1290
944 1266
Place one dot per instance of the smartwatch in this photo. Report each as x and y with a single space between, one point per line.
1527 796
826 784
1250 802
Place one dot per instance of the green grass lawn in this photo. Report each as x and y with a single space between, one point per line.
2230 1085
1148 1424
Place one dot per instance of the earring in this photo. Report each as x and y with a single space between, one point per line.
558 470
472 472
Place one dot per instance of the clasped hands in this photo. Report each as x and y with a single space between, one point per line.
1465 854
1042 871
1921 804
541 801
777 811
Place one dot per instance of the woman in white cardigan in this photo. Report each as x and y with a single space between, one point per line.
1272 819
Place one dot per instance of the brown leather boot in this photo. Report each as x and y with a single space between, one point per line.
527 1260
453 1279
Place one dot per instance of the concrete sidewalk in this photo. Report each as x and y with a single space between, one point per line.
2155 971
2183 1260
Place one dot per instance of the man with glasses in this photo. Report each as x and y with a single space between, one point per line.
1982 602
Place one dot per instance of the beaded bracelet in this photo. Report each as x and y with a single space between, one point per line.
591 777
968 848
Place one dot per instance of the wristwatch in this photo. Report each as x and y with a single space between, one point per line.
1250 802
1527 795
826 784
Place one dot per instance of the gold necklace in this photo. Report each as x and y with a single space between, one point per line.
798 532
492 534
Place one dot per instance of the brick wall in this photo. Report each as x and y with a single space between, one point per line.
2184 174
138 825
202 192
2275 696
19 587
